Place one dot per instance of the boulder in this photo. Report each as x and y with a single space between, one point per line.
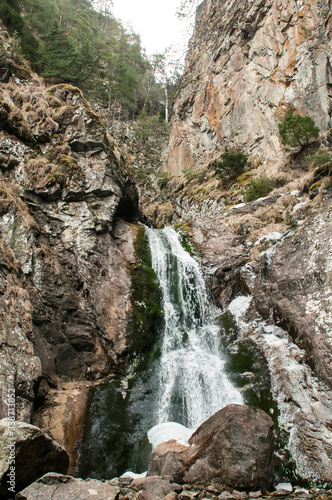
60 487
234 446
154 487
166 460
30 452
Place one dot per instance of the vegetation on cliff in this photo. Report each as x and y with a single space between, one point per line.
70 41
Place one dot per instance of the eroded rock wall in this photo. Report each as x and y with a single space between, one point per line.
66 242
248 62
276 282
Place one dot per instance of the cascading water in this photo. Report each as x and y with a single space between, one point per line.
192 380
182 377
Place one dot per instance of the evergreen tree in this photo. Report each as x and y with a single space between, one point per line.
296 130
71 41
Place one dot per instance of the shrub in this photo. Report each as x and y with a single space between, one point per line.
163 180
231 165
321 161
296 130
290 219
257 188
190 175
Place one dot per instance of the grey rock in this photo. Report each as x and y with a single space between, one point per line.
34 451
59 487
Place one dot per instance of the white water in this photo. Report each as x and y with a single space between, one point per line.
192 381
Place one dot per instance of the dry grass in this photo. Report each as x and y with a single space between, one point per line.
11 193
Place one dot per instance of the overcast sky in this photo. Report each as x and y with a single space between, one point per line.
154 20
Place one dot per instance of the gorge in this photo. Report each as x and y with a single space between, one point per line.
86 309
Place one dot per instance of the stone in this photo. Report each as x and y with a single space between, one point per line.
154 487
35 453
234 446
59 487
172 496
166 460
187 495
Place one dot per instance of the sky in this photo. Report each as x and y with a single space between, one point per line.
154 20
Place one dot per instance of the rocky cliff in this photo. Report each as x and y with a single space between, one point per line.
68 201
248 62
65 285
268 260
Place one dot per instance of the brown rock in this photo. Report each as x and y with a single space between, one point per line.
166 460
234 446
172 496
154 487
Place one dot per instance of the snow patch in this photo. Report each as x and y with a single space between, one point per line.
239 306
161 433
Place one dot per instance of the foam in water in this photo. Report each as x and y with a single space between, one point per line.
192 381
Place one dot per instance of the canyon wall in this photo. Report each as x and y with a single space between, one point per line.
66 254
248 62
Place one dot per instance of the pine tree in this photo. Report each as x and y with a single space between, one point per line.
296 130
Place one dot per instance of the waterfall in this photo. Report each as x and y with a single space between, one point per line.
192 380
182 381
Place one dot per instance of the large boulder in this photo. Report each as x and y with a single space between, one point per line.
234 447
26 453
60 487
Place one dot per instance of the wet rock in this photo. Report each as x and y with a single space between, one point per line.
59 487
295 290
34 452
225 253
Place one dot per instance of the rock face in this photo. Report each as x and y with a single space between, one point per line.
66 248
32 452
248 63
283 310
225 253
289 319
296 290
234 448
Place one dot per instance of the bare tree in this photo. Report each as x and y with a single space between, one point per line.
187 8
103 6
